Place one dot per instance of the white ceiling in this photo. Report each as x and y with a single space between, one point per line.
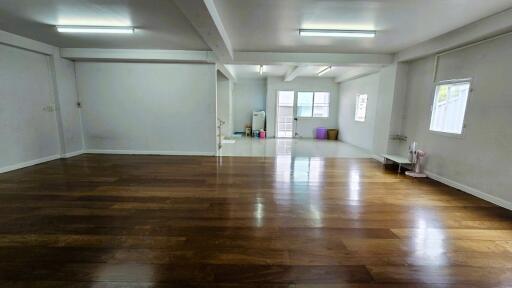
250 25
272 25
252 71
159 23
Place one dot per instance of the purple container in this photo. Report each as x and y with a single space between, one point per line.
321 133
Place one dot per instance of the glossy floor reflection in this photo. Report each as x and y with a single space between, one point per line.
254 147
164 221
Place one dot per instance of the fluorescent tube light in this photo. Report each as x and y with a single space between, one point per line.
338 33
95 29
261 69
325 70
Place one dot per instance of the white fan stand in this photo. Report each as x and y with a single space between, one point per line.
417 160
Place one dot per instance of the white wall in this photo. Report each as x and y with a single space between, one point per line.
390 109
385 111
69 111
480 161
351 131
248 96
28 133
148 107
305 127
225 104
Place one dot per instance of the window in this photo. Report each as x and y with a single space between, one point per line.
449 106
305 104
313 104
321 104
361 102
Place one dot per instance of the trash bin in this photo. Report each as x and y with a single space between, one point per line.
321 133
332 134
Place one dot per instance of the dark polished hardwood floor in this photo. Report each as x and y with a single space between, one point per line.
163 221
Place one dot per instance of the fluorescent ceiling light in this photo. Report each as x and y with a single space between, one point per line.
96 29
325 70
338 33
261 69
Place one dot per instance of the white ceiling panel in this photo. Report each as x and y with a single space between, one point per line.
272 25
159 23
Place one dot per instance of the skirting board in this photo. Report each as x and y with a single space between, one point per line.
378 158
477 193
73 154
149 152
28 163
79 152
39 161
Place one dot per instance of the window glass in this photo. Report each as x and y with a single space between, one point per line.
305 104
449 107
321 104
361 102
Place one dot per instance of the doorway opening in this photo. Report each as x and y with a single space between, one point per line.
285 106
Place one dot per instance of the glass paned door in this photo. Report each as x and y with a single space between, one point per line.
285 104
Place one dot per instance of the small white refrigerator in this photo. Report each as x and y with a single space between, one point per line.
258 121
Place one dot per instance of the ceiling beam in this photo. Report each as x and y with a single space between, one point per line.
226 72
286 58
186 56
476 31
14 40
205 18
356 72
293 73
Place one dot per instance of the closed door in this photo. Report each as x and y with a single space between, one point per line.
285 106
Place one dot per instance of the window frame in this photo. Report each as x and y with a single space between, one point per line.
313 107
433 98
357 105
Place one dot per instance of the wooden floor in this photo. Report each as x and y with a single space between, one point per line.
163 221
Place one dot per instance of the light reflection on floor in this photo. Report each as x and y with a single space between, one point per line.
302 178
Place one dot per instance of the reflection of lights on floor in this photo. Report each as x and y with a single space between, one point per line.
259 213
354 185
283 168
301 169
143 273
315 216
284 146
428 243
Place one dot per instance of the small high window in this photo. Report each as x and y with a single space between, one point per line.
361 102
449 106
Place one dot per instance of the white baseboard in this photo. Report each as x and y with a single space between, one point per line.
28 163
73 154
378 158
150 152
94 151
475 192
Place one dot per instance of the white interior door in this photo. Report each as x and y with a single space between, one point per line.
285 105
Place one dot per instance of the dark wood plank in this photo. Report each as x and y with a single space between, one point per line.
179 221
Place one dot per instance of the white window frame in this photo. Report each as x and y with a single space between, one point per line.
313 105
432 102
357 106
